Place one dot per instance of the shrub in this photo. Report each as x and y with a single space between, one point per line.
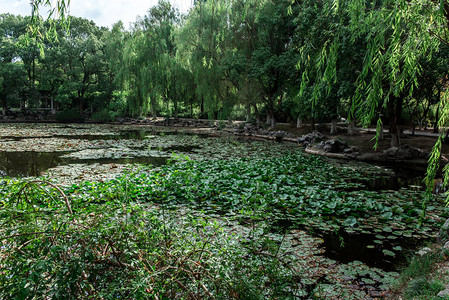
92 249
103 116
70 115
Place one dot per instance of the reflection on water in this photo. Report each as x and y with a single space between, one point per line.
345 248
30 163
27 163
122 135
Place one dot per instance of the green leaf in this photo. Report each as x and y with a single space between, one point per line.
388 252
350 221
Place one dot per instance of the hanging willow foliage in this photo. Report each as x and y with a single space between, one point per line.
54 12
398 34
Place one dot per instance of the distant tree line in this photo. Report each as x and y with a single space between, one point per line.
260 60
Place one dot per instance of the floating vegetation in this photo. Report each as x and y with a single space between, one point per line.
342 236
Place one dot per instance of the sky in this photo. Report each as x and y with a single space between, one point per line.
102 12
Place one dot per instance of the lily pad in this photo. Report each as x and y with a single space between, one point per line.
387 229
388 252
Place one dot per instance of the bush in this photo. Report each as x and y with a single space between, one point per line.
70 115
103 116
105 247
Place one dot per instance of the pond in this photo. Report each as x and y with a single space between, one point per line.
358 219
32 150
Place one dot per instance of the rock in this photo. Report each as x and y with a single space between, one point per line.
334 146
446 246
250 129
351 150
262 131
444 293
279 135
404 152
312 137
424 251
443 234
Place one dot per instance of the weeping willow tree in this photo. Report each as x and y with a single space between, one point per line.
56 12
202 43
146 59
398 35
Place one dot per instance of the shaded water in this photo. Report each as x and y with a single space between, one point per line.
27 163
30 163
391 183
399 178
121 135
347 247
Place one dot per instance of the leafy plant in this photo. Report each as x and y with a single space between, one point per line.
70 115
125 249
103 116
418 280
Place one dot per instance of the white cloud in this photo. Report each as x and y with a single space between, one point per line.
102 12
15 7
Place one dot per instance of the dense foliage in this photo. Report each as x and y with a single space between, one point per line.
370 61
198 229
286 60
57 246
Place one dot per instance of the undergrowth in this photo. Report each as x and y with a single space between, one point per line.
133 238
420 279
113 248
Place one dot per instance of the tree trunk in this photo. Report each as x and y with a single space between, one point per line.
33 83
80 106
351 127
394 107
273 120
153 111
395 140
256 112
4 108
248 113
437 116
202 106
298 122
426 110
268 118
382 131
334 126
175 103
52 104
